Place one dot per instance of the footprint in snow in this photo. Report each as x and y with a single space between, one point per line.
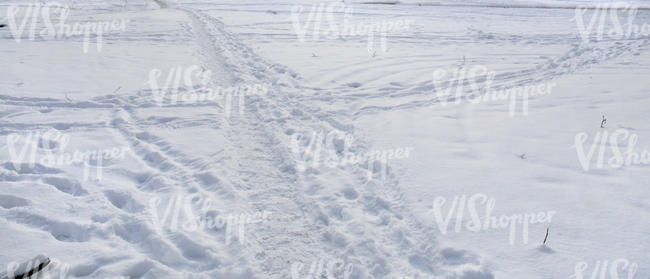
354 84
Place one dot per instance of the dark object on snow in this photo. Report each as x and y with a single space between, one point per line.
603 123
546 237
3 25
27 269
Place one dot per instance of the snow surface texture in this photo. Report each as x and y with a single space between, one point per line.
101 218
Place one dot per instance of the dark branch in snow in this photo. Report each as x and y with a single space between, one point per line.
546 237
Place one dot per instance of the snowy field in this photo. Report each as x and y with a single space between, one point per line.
334 139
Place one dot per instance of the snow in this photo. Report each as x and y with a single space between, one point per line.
110 182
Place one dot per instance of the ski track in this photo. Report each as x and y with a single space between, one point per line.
579 57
